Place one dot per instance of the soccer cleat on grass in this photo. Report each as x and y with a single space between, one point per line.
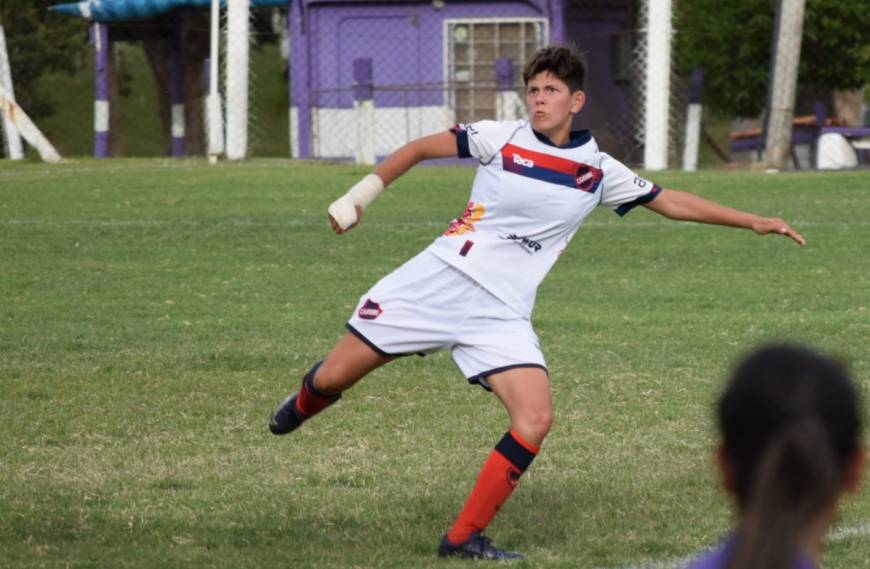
477 546
286 418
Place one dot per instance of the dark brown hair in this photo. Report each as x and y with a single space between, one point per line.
563 61
791 426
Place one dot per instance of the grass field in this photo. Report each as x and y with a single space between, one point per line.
155 312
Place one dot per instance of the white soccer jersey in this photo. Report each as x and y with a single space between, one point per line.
528 200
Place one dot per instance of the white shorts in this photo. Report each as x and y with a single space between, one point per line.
427 305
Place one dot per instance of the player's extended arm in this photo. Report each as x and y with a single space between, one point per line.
346 211
684 206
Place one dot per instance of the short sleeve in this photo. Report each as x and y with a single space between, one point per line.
623 190
483 139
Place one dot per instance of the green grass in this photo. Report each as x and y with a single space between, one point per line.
154 312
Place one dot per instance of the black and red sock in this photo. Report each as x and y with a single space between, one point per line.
498 478
310 401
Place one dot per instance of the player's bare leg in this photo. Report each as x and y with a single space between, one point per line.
525 393
348 362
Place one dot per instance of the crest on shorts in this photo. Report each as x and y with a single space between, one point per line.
370 310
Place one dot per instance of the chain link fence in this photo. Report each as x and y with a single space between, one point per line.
379 106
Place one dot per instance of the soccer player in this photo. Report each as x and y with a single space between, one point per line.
472 290
790 421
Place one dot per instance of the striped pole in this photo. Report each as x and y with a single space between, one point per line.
505 96
693 122
363 95
301 128
100 39
176 87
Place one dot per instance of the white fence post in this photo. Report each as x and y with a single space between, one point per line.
364 104
693 122
14 151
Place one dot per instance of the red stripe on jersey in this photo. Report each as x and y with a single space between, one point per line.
532 159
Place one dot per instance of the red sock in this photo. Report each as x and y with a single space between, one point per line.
309 401
497 479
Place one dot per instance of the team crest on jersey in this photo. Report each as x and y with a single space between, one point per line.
552 169
461 225
370 310
588 178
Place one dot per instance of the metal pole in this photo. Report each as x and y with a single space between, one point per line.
693 122
238 13
214 121
101 89
176 86
658 85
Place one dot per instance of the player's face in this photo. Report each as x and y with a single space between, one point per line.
551 106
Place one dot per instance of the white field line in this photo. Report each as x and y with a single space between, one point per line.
309 222
681 562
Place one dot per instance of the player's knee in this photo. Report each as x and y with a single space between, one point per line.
536 424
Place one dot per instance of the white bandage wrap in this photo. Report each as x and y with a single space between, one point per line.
343 210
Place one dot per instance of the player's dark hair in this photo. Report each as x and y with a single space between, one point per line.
791 426
563 61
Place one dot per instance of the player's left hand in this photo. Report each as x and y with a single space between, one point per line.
767 225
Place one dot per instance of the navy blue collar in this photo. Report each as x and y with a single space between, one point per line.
575 139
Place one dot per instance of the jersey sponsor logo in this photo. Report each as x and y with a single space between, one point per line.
370 310
462 225
551 169
530 246
523 161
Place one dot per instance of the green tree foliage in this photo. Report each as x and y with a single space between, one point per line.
40 42
731 40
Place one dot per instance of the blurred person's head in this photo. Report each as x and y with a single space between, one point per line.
790 421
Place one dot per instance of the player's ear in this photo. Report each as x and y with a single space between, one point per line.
855 471
726 471
578 99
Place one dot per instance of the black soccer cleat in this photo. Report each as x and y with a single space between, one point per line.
286 418
477 546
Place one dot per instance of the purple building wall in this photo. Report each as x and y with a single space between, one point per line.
404 39
598 29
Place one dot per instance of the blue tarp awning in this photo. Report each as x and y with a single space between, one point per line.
125 10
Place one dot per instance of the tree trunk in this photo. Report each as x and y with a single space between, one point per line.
847 105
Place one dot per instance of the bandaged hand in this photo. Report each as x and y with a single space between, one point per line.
345 210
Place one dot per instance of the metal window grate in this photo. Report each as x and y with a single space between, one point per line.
473 46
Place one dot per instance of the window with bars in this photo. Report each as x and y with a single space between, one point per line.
473 46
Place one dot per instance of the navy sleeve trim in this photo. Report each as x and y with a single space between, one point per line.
461 141
627 207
